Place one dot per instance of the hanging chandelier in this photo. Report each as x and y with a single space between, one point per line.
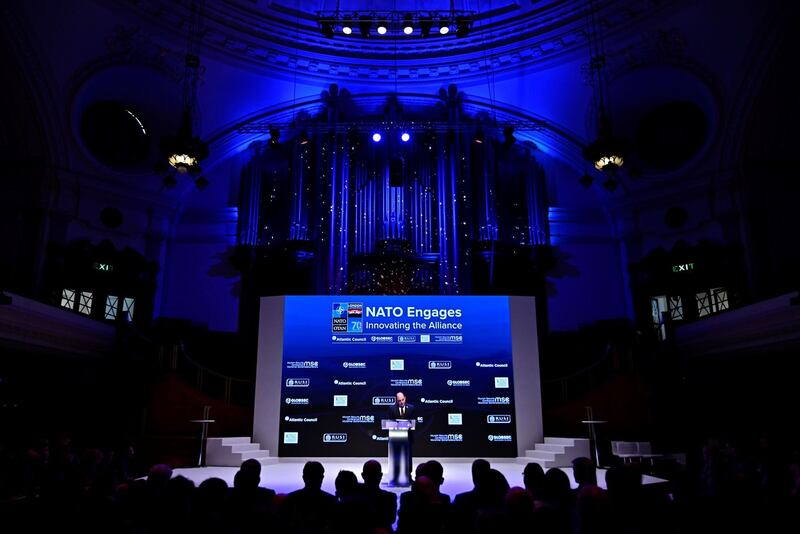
607 151
184 151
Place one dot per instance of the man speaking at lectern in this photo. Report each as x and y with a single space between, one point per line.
402 410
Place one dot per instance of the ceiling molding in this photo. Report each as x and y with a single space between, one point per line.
291 42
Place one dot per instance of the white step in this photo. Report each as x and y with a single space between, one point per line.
541 455
556 452
245 447
234 441
231 452
561 441
551 447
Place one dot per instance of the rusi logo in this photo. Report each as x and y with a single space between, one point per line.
290 438
440 364
406 339
501 382
498 419
340 400
335 437
383 401
296 400
297 382
458 383
499 437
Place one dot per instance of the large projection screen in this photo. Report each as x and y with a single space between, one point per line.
329 367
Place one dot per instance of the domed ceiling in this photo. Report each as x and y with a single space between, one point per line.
286 35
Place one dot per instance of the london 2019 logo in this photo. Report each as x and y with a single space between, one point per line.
347 317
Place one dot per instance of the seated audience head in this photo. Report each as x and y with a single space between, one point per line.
346 484
245 480
584 471
519 502
479 469
212 491
158 475
556 486
533 477
313 473
435 471
421 470
252 466
372 473
496 487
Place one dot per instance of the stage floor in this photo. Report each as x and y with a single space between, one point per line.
286 475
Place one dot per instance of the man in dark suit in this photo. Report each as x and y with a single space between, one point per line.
402 454
401 408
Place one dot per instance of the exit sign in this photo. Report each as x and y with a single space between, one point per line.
683 267
107 267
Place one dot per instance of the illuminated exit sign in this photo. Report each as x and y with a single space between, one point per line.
683 267
107 267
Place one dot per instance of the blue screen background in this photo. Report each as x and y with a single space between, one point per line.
460 380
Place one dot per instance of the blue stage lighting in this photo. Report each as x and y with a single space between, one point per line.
376 137
405 136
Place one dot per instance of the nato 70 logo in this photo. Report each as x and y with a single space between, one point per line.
440 364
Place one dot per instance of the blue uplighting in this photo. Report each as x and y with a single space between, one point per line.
405 136
376 137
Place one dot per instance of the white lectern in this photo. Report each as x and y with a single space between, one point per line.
399 449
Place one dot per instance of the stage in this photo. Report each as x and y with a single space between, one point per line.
286 475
